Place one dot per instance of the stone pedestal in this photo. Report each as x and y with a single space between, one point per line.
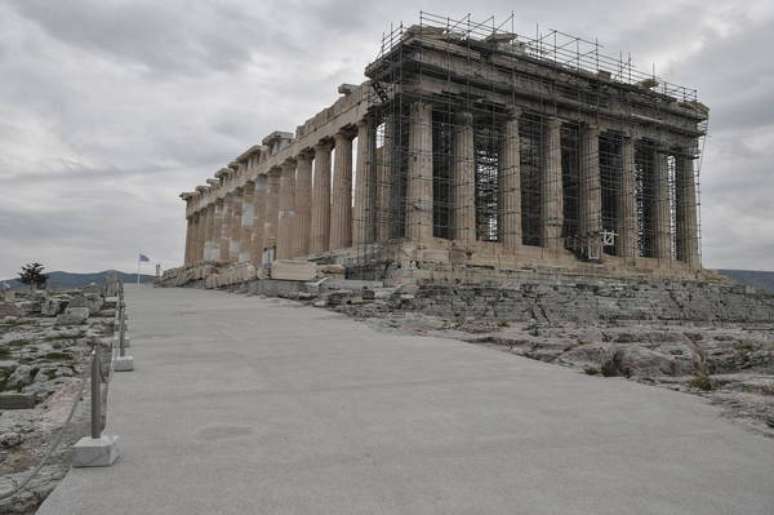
96 452
123 363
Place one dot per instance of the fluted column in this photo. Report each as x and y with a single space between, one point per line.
384 181
464 180
363 230
687 237
209 242
225 229
321 199
248 215
198 248
286 212
626 209
419 197
256 249
551 195
662 218
303 203
590 189
271 213
217 228
236 226
188 239
341 205
510 183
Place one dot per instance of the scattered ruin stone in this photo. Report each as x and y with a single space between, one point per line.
73 316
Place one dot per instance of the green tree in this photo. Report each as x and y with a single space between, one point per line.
33 275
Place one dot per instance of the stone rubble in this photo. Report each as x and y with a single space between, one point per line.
45 343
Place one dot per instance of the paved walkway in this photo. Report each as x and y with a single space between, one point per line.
242 405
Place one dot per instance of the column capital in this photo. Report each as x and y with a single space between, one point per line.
552 122
464 117
306 154
289 164
324 145
347 132
513 111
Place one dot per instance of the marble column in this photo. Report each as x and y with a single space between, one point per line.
626 208
419 197
590 192
217 228
384 181
248 216
363 230
236 226
303 203
552 195
286 212
687 237
321 199
662 216
199 237
510 183
464 180
225 229
256 249
271 215
188 240
207 255
341 205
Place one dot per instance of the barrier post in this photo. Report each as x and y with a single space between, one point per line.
97 449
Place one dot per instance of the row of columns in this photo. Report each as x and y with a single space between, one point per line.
292 212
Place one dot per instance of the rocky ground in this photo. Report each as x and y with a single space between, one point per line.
45 342
729 363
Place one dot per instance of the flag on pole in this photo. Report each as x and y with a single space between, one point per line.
140 259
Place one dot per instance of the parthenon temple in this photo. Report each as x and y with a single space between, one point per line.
471 147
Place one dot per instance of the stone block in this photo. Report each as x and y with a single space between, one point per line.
123 364
17 401
96 452
8 309
73 316
293 270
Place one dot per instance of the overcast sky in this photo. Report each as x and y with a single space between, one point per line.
109 109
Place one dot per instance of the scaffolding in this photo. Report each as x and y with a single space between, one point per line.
471 73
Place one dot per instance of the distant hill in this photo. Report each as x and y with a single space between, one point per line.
755 278
71 280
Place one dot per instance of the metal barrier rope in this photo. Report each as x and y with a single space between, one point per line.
60 436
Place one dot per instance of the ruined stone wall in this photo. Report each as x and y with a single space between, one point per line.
591 300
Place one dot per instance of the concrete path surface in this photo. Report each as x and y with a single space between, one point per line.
245 405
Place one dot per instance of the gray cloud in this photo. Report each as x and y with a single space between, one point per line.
110 108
